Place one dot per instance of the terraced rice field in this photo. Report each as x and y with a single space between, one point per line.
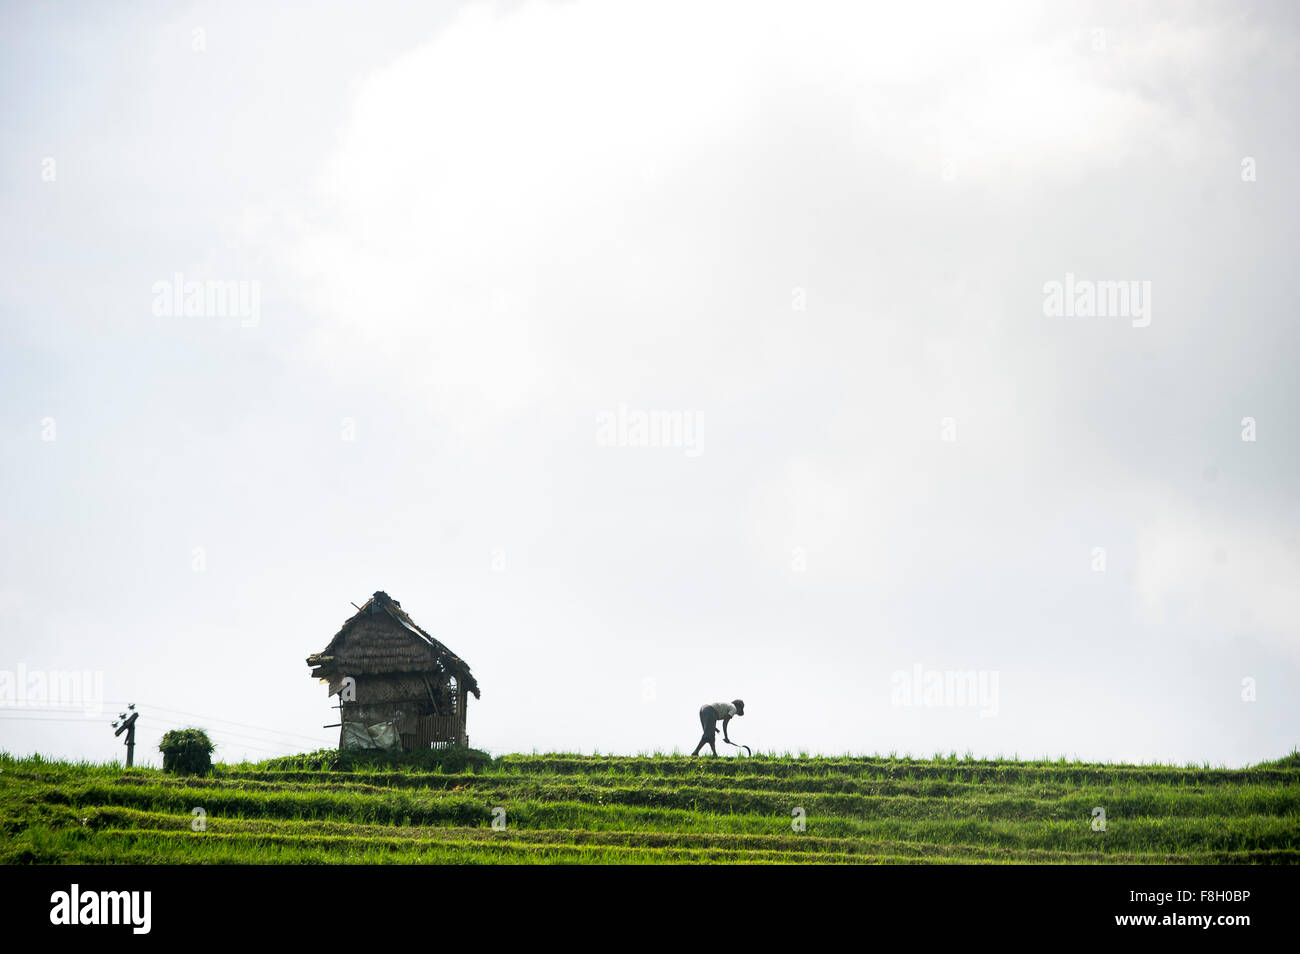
652 809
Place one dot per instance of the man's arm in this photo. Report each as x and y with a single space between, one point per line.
724 729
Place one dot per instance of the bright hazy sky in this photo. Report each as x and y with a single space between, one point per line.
821 234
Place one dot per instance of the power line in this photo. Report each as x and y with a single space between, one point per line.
155 722
257 737
224 736
199 715
280 736
85 720
239 737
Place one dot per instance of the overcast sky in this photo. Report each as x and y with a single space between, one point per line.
478 244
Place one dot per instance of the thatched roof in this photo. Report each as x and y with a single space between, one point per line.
382 638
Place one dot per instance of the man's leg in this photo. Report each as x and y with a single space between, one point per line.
708 722
710 719
699 745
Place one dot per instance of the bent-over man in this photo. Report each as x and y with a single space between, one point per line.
709 716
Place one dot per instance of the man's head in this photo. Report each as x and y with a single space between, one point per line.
740 706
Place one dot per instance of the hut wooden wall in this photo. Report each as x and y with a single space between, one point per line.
428 708
434 730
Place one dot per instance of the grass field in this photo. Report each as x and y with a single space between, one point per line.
650 809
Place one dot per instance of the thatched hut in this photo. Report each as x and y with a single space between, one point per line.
398 687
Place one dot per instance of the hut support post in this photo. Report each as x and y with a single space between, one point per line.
461 698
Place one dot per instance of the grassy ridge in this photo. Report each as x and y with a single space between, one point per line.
650 809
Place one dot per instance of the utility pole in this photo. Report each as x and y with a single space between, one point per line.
127 725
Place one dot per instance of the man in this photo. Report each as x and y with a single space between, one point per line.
709 716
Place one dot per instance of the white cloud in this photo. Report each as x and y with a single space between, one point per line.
534 185
1212 571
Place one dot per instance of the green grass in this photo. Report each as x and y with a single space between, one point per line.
328 809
